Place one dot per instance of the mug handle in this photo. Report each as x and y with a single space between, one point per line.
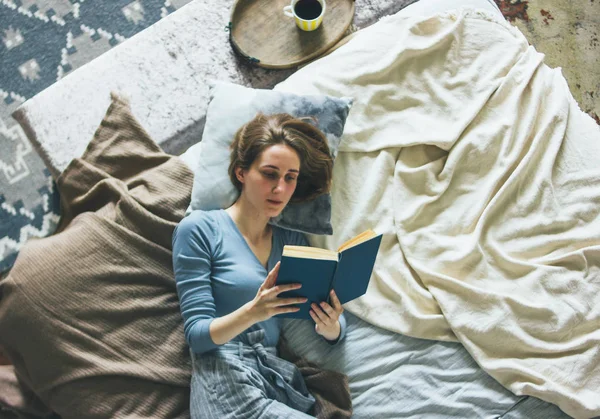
287 10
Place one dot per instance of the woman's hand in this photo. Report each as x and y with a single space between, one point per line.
267 304
327 317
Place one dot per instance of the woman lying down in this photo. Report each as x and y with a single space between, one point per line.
226 264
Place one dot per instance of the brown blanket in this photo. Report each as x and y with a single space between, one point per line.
330 388
90 316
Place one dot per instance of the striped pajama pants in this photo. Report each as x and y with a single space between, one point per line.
244 379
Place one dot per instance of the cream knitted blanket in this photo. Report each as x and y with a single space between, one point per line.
472 158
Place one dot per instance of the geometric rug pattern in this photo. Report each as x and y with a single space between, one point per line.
43 41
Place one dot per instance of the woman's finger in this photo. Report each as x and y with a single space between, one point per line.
335 301
280 302
274 273
272 276
331 313
286 309
286 287
317 320
322 316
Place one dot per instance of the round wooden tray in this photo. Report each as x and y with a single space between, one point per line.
262 34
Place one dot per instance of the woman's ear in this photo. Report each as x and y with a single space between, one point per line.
239 174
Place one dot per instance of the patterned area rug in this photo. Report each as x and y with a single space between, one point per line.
45 40
42 42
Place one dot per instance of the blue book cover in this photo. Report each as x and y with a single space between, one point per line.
347 271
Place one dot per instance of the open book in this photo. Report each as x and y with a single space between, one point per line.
347 271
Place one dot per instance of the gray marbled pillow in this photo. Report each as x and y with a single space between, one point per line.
230 107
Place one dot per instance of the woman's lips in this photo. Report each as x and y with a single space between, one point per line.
271 201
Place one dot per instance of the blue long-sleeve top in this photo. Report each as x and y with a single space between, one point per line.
216 273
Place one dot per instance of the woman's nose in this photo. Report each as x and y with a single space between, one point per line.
279 186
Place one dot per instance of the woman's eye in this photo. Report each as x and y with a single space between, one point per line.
271 175
291 178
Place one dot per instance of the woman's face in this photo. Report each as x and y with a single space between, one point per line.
271 180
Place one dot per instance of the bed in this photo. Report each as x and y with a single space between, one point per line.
396 376
434 337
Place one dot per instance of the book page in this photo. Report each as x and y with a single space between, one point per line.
309 252
361 238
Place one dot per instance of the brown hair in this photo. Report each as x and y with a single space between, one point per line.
316 164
